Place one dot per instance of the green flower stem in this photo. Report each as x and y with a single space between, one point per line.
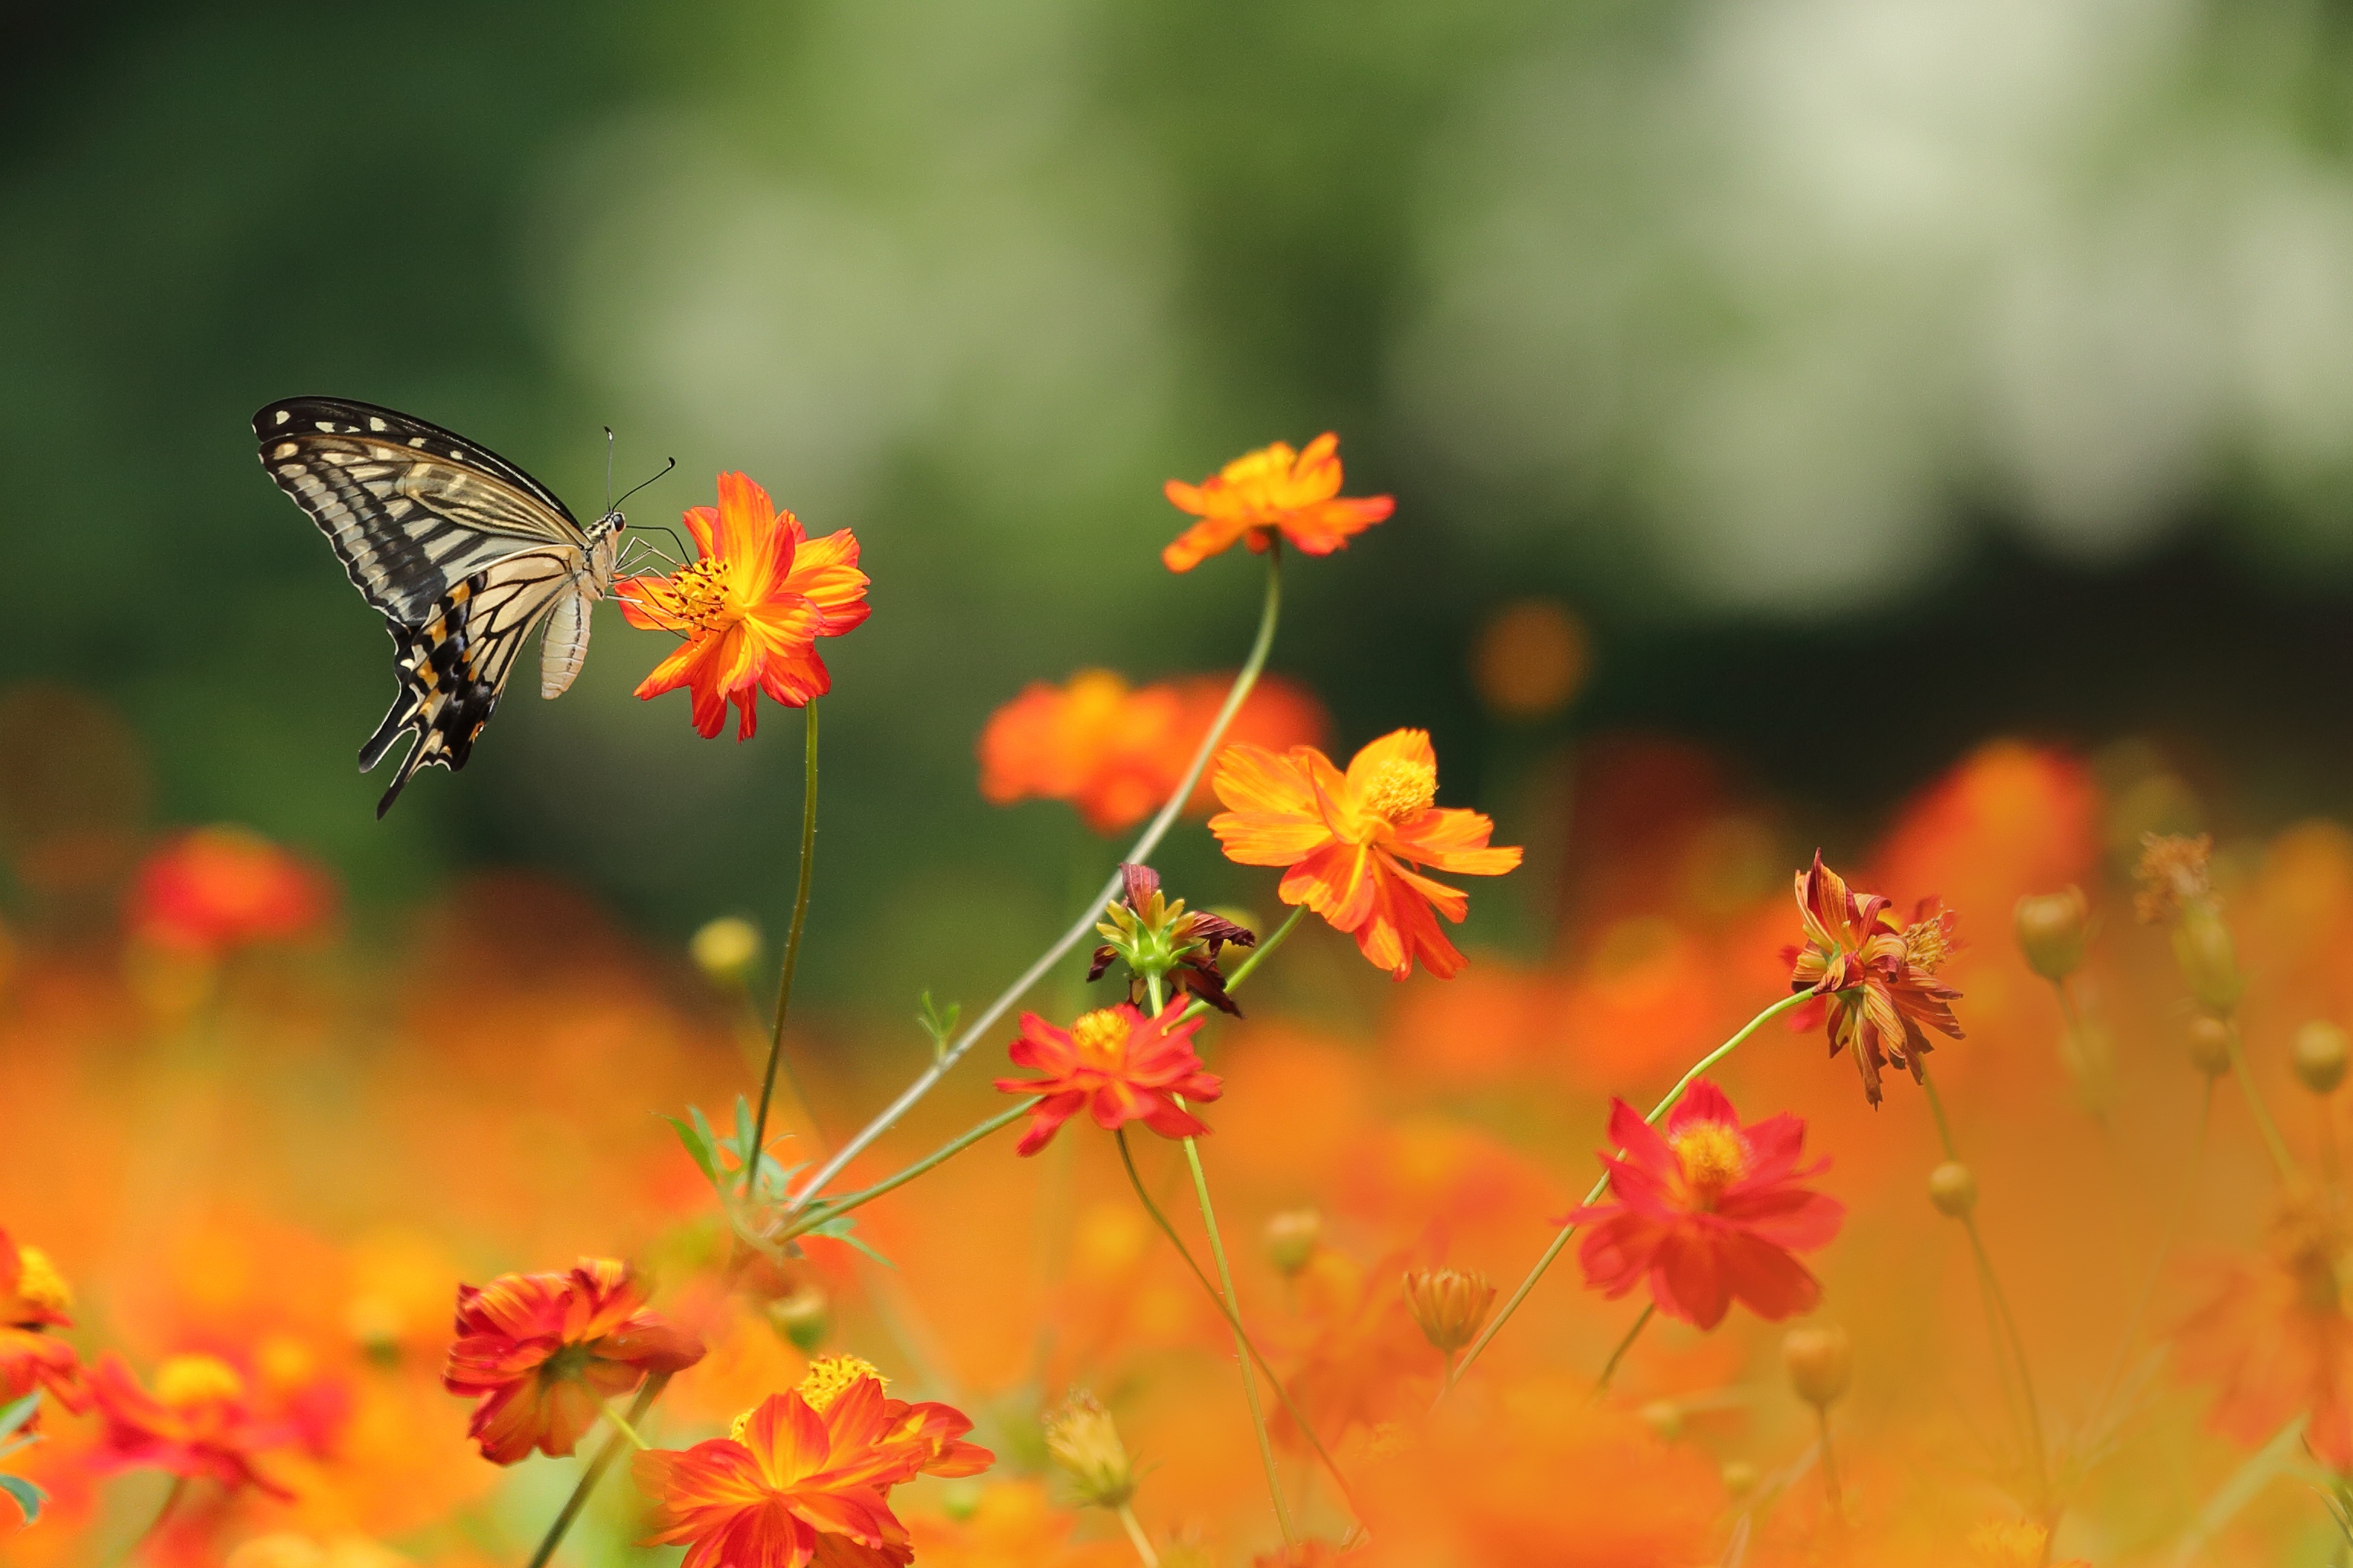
1268 613
1609 1368
1197 1008
596 1472
2263 1114
1831 1498
1298 1417
1998 1312
1560 1242
1136 1537
816 1215
620 1423
792 953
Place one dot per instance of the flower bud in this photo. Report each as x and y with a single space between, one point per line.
1664 1417
1292 1238
1448 1304
2050 929
1953 1188
2208 958
805 1317
2210 1045
1083 1441
1821 1363
725 949
2320 1056
1740 1478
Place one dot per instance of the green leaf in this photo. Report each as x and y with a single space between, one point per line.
742 1130
940 1023
843 1228
697 1147
15 1414
29 1497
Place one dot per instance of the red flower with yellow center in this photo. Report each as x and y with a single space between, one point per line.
542 1350
1120 1065
1352 841
198 1424
750 607
1875 975
1707 1212
34 1299
1271 491
807 1476
216 888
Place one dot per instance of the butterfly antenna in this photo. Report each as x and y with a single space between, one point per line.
608 468
633 489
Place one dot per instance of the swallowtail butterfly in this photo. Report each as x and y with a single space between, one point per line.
465 554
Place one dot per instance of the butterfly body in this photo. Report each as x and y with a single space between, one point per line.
463 553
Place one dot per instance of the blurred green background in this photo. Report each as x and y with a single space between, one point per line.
1871 377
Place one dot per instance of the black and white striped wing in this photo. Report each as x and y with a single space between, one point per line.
411 509
454 665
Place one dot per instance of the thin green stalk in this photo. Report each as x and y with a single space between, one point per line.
792 952
1592 1197
1609 1368
1141 851
1830 1495
621 1423
2157 1264
1136 1537
810 1218
1198 1008
2261 1112
596 1472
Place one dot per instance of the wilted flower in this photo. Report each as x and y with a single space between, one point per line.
1158 938
1271 491
1084 1442
2172 875
751 606
542 1350
1120 1065
806 1475
1876 975
34 1299
1448 1304
198 1424
1707 1213
1354 842
216 888
2177 893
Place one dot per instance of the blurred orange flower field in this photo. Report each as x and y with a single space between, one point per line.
1967 1189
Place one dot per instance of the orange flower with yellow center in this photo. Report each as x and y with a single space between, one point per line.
750 607
1353 842
1271 491
199 1421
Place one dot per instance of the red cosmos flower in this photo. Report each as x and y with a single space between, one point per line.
807 1476
1876 975
1708 1212
1115 752
544 1348
34 1299
1349 840
2275 1338
216 888
1121 1065
1270 489
751 606
198 1424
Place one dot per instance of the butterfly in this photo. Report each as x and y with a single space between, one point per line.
464 553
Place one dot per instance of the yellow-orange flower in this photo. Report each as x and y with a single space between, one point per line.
1271 489
751 606
1353 842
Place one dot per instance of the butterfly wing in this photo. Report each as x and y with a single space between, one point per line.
453 666
462 551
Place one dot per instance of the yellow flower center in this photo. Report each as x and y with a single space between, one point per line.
39 1283
735 1428
1713 1157
2008 1544
186 1380
1100 1037
1400 789
828 1375
701 590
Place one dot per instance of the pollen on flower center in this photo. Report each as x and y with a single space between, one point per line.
829 1376
1101 1036
1401 788
39 1283
1713 1156
701 590
186 1380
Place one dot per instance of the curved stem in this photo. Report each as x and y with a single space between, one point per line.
1136 1537
596 1472
2263 1113
1140 852
751 1156
1560 1241
1609 1368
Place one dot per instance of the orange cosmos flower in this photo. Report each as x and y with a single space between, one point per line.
1117 751
807 1476
541 1349
1707 1212
751 606
198 1424
1270 489
1875 975
216 888
35 1298
1352 841
2275 1338
1121 1065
